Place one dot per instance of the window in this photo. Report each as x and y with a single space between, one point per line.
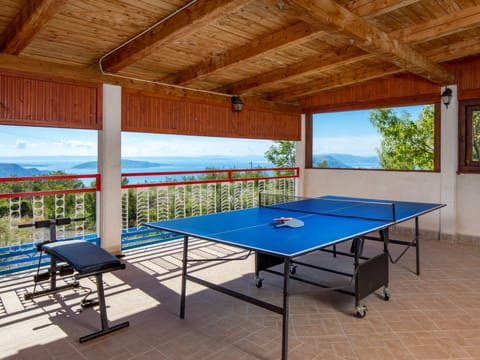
31 151
469 136
400 138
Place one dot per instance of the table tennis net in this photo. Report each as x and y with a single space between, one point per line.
362 209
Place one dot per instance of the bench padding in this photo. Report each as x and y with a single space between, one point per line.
83 256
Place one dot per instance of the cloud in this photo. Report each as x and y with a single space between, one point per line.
134 145
21 144
75 144
354 145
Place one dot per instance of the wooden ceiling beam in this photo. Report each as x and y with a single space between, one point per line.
459 21
362 8
331 82
297 33
368 8
445 53
455 51
27 23
182 24
315 64
373 40
365 8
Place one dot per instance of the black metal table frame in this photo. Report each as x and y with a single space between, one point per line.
368 276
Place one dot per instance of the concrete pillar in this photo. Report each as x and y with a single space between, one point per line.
449 166
300 159
109 167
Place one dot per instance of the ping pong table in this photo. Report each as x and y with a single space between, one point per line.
327 221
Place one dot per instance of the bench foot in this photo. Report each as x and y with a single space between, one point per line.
56 289
105 331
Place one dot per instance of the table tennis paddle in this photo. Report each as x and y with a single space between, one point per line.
293 223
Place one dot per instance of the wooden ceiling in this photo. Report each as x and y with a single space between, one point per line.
271 50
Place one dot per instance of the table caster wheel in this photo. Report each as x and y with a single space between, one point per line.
293 270
361 311
258 282
386 294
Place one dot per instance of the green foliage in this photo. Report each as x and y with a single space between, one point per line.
476 136
66 206
281 153
322 164
406 144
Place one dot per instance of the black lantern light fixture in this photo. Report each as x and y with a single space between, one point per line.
447 96
237 103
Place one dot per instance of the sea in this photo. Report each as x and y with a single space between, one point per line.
82 165
75 165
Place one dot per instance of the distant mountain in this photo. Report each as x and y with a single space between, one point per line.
126 164
346 161
9 170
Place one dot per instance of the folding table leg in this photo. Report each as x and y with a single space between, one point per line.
286 278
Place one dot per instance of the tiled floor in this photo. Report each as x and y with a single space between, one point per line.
432 316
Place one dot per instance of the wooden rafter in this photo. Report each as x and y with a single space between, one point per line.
445 53
371 39
442 54
297 33
446 25
182 24
275 41
351 56
331 82
314 64
369 8
364 8
455 51
28 22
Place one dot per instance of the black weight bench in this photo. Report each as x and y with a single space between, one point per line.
86 259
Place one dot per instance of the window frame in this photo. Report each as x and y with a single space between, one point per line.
465 138
437 132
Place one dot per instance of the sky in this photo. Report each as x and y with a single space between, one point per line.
18 141
349 132
341 132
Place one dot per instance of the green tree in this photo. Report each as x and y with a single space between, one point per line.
281 153
406 144
476 136
322 164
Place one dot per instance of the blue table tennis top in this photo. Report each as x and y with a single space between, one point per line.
254 229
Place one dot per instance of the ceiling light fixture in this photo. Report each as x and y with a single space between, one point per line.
237 103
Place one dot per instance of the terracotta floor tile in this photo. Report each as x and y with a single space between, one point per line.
432 316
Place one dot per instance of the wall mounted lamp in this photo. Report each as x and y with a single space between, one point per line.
447 96
237 103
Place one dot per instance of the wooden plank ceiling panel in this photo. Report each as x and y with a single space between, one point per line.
276 50
101 24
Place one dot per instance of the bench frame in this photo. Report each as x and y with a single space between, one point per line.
59 253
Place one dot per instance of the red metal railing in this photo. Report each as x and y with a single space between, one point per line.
229 178
97 186
17 250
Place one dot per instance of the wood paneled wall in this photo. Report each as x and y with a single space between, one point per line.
396 90
31 100
155 113
467 73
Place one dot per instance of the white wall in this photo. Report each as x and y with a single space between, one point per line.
468 208
386 185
